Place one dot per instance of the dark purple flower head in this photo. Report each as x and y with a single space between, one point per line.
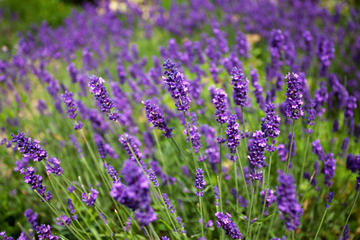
71 107
329 168
193 133
90 198
44 232
282 152
112 172
35 181
168 203
98 90
353 163
325 53
31 217
256 149
240 85
232 133
53 166
294 95
156 118
71 206
63 220
153 177
132 147
199 181
136 193
242 45
350 107
329 198
289 208
258 91
30 148
270 124
177 86
270 197
317 149
224 221
219 99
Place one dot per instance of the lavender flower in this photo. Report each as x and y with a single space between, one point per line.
289 208
135 195
270 197
177 86
193 133
4 237
224 221
30 148
153 177
44 232
219 99
258 91
294 96
53 166
256 149
329 168
232 133
90 198
329 198
112 172
132 148
350 107
102 97
71 107
168 203
317 149
155 116
242 45
270 124
71 206
199 181
63 220
31 217
240 85
35 181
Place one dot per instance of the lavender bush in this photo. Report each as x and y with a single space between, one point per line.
193 120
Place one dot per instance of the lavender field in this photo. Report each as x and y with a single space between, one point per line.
199 119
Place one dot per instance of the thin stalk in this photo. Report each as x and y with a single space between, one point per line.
243 175
290 150
202 219
303 165
189 138
322 220
236 186
352 208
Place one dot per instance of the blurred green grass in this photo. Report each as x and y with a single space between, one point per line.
18 16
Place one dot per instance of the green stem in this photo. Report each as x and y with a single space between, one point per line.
303 165
352 208
290 150
202 218
322 220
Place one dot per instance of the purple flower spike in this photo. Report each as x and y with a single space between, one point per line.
102 97
177 86
53 166
294 96
199 181
289 208
30 148
256 149
219 99
329 168
224 221
44 232
270 124
240 85
232 133
71 107
156 118
90 198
